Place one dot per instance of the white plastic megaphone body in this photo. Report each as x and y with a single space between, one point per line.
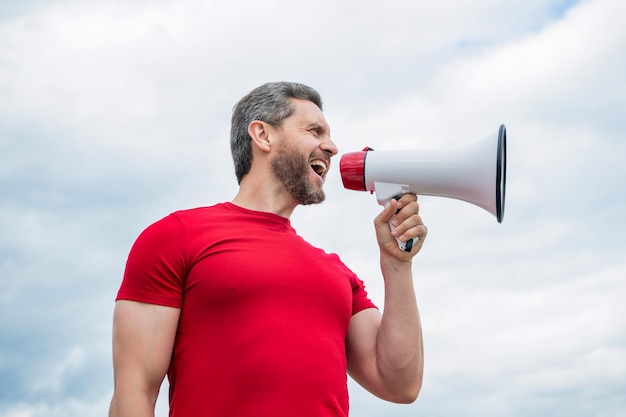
475 174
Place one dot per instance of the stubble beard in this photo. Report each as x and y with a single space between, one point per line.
293 170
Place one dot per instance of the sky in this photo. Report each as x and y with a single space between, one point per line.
114 114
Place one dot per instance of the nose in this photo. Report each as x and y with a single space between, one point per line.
329 147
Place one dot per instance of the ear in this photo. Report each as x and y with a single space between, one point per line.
260 134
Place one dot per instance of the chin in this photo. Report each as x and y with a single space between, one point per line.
316 197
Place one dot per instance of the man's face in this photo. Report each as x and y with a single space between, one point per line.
303 156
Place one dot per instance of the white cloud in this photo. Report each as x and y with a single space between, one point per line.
113 114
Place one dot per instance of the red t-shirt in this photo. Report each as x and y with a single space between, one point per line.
264 314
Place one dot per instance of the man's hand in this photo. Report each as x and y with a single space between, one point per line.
404 215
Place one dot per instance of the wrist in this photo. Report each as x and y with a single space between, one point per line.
393 264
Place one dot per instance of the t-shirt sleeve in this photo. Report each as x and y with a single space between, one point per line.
156 267
360 299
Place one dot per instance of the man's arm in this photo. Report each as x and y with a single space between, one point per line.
143 339
385 352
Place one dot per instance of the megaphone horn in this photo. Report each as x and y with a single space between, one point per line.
475 174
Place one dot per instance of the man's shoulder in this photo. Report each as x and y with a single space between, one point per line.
199 211
203 213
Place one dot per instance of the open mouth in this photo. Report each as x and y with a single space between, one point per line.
319 167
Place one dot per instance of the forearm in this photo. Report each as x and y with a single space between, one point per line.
399 345
386 353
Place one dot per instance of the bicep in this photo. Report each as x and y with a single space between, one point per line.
143 339
361 348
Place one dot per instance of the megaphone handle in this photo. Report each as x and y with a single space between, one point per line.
405 246
384 193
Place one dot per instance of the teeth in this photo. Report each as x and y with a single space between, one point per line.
318 166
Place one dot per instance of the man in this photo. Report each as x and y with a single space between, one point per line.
244 316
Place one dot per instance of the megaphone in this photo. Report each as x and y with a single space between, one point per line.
475 174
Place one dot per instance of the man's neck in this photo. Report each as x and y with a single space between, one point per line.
260 197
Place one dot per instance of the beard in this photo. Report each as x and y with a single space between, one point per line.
293 170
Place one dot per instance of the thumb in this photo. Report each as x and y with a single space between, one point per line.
388 212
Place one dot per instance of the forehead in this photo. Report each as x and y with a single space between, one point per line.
307 113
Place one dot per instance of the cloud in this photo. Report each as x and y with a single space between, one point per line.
113 114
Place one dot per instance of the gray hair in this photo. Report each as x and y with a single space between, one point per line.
268 103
